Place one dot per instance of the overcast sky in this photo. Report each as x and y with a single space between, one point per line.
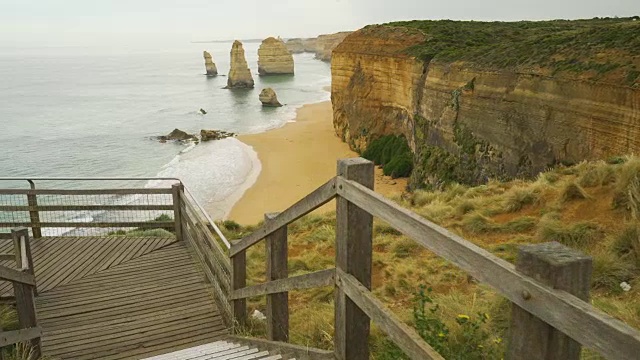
74 22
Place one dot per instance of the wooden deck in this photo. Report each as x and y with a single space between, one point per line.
119 297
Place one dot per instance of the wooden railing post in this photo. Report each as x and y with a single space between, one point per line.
24 293
238 281
561 268
34 216
353 256
177 212
277 304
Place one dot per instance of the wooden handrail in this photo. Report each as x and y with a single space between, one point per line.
85 191
314 200
16 336
143 224
402 335
574 317
9 274
83 207
300 282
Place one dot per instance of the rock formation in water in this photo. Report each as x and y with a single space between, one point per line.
208 135
471 118
239 73
268 97
274 58
209 65
177 135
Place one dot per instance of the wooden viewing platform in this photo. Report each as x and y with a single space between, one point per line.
181 294
119 297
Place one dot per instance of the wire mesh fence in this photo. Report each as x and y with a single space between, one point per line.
85 210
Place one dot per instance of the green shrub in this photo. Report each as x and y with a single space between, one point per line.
609 271
393 153
572 191
627 191
627 243
579 235
518 197
478 224
231 225
520 225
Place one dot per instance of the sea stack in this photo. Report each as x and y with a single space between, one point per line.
268 98
274 58
212 70
239 74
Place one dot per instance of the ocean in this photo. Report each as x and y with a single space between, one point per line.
92 112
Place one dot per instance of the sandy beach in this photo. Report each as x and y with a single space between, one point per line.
296 159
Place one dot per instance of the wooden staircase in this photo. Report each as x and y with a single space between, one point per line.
222 350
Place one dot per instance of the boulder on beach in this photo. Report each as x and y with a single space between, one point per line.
239 73
203 111
274 58
209 65
268 97
207 135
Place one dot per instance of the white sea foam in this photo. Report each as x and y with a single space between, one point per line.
216 172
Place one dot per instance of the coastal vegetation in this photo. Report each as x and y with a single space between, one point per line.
573 46
392 153
590 206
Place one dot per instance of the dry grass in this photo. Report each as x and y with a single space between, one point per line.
570 205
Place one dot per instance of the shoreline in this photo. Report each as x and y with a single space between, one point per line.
296 159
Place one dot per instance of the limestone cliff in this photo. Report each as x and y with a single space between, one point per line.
209 65
274 58
295 45
239 73
470 120
326 43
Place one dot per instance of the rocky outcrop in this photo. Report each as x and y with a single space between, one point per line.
469 123
177 135
208 135
325 44
239 73
274 58
268 97
209 65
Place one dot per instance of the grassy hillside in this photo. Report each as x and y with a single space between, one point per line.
593 206
597 48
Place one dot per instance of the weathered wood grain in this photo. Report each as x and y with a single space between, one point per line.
277 311
354 251
18 276
306 281
16 336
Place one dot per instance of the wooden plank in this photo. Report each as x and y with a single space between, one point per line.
306 281
177 217
314 200
26 309
85 191
16 336
7 257
238 281
5 236
277 311
561 268
401 334
84 207
221 296
18 276
354 252
574 317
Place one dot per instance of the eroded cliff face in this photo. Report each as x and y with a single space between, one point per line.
325 44
469 124
239 73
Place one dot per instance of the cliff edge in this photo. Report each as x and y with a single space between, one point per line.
491 100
